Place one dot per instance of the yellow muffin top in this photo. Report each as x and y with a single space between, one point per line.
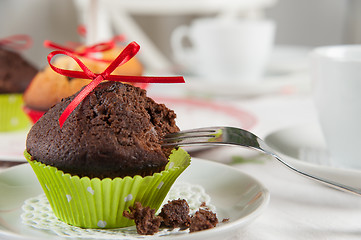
48 87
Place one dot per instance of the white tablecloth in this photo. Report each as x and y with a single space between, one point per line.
299 208
302 209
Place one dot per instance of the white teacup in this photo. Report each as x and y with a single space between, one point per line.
233 50
336 71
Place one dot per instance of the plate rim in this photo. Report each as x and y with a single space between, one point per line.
265 196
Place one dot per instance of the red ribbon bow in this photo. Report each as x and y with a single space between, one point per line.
88 50
17 42
128 52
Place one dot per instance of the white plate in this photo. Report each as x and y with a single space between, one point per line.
235 195
12 146
196 113
191 113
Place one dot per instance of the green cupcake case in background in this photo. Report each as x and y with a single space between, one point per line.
12 117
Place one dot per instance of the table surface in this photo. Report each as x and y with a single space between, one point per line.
299 208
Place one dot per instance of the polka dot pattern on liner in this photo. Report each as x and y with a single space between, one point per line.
85 201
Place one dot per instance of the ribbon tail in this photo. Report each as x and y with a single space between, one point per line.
78 99
146 79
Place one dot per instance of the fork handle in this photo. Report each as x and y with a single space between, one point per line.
346 180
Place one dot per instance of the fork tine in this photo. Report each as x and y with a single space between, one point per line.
194 136
195 131
183 137
186 141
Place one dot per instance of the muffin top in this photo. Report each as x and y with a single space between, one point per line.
114 132
15 72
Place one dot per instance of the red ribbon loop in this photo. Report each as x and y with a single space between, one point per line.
88 50
128 53
17 42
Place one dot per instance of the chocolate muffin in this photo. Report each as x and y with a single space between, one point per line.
15 72
114 132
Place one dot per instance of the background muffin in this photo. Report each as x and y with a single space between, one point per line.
48 87
15 72
15 75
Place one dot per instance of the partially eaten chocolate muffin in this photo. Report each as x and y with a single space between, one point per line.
114 132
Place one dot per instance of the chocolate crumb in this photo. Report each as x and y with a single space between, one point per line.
144 217
202 220
175 214
225 220
204 205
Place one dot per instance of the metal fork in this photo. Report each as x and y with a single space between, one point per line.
243 138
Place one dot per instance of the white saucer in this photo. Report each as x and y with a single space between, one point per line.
286 72
272 83
295 141
304 147
235 195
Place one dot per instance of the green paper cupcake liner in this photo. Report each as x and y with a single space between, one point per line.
95 203
12 116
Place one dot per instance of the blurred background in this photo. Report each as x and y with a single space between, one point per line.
301 23
268 41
